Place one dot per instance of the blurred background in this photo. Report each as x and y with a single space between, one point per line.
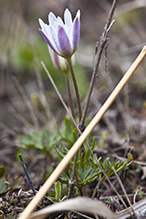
22 48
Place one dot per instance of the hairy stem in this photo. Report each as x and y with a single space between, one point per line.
70 96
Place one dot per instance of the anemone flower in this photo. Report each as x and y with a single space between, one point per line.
62 37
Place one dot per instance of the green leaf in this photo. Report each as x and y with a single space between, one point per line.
64 177
118 166
93 175
15 183
104 164
100 143
122 166
81 174
90 178
77 191
89 137
32 141
84 173
11 216
68 126
52 138
60 154
43 140
87 170
2 171
88 153
94 163
75 135
68 133
46 134
3 185
64 197
59 190
57 186
64 149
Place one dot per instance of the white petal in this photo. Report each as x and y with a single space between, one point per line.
78 14
41 23
60 22
69 31
46 29
51 18
67 18
52 33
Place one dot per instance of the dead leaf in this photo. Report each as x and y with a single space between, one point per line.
80 204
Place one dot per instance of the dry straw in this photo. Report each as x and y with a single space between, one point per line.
62 165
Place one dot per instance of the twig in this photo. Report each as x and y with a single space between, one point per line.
98 52
62 165
96 188
27 174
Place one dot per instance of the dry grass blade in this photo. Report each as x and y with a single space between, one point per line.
124 191
80 204
62 165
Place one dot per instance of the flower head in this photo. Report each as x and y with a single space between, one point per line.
62 37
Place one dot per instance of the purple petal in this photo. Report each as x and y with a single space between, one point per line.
76 33
64 43
47 40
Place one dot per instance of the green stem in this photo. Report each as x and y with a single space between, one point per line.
70 96
76 88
